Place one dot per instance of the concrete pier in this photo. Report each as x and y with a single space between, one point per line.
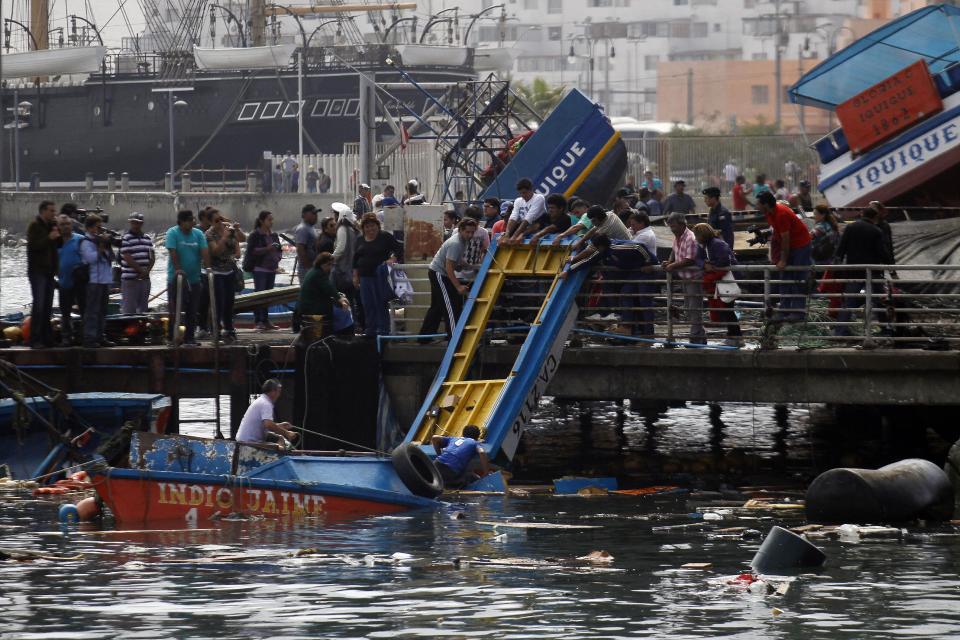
159 208
835 376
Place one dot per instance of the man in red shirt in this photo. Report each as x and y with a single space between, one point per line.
740 202
792 239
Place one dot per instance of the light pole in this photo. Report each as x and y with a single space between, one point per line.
172 101
19 108
591 59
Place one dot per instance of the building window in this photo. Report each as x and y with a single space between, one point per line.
699 29
530 5
680 3
680 30
554 6
717 27
650 62
760 94
599 3
554 33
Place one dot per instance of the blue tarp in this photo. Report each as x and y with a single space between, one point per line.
931 34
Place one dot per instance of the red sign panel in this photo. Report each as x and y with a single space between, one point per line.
888 107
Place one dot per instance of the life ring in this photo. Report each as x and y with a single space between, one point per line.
417 471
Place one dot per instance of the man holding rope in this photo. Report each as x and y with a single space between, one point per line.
258 419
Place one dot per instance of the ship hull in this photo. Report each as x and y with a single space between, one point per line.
230 120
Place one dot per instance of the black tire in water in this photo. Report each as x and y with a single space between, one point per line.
417 471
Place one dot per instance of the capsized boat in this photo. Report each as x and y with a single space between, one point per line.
896 92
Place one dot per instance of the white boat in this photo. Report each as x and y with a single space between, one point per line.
431 54
51 62
268 57
492 59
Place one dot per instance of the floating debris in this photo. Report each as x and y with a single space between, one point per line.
597 556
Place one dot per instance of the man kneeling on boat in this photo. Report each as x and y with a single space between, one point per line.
454 456
258 421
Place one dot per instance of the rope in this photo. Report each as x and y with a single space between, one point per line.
67 470
347 442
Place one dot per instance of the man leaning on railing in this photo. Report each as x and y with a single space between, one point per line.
862 242
789 247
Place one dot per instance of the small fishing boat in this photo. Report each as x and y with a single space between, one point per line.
183 479
38 434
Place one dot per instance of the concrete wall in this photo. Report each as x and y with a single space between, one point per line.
159 208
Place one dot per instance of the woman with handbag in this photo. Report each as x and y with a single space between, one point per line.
374 248
224 241
262 258
719 285
320 297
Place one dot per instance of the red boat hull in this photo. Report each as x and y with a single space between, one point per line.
140 501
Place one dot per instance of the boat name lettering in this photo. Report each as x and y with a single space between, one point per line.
265 501
533 398
908 157
558 174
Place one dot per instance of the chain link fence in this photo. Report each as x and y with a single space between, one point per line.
701 161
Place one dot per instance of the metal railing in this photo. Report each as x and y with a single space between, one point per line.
919 308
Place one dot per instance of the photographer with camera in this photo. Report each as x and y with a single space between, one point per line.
137 258
223 240
96 249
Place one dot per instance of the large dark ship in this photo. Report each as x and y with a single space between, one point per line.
229 106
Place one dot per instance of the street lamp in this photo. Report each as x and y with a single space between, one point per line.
172 102
19 109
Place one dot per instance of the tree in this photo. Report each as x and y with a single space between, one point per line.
540 95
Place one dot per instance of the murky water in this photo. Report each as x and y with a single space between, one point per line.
172 584
243 579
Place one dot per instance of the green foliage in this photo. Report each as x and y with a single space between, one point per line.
540 95
759 127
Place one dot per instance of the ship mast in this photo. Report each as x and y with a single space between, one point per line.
40 23
258 23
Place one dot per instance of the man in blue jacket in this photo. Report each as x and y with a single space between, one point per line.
98 254
454 456
71 293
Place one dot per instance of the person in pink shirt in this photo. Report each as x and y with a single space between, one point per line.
683 264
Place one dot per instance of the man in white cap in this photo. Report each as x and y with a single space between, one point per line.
362 204
136 261
344 248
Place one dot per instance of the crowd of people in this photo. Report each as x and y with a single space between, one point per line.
345 260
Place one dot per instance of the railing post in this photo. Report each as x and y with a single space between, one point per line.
669 306
868 308
766 289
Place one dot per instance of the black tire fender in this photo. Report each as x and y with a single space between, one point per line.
417 471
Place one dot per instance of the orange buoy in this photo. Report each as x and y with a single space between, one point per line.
25 329
88 509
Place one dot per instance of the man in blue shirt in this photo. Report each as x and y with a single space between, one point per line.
188 250
97 252
720 217
71 293
454 456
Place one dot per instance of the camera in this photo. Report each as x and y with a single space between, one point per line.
80 215
761 235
